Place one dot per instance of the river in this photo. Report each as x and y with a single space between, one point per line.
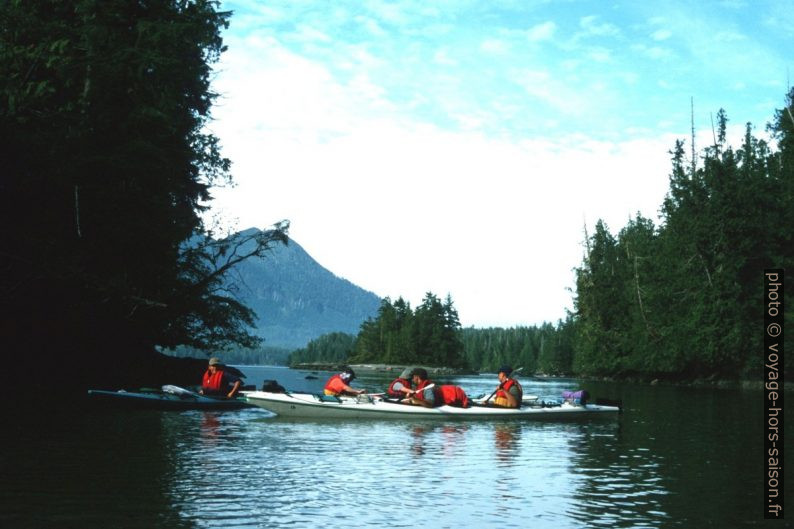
676 457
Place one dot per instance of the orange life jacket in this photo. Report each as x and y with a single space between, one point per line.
453 396
501 393
395 393
335 385
212 382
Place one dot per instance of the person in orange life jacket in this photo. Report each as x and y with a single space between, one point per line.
217 382
509 393
437 395
338 384
401 386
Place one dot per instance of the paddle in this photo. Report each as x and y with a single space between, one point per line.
514 373
380 394
182 392
187 394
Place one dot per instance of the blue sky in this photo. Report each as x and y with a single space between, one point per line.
461 146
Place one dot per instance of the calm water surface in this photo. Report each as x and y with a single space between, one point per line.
677 457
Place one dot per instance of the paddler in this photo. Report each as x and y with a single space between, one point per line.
219 382
429 397
339 384
401 386
509 393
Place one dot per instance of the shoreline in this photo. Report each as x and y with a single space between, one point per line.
386 369
395 369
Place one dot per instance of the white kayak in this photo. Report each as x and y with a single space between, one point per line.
311 406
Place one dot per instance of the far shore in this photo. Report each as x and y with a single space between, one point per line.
434 371
387 369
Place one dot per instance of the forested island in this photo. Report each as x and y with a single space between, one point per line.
107 259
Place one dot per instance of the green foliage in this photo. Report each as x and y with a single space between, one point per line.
106 167
256 356
545 350
684 299
399 335
334 347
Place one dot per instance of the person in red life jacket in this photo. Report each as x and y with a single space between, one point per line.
401 386
338 384
509 393
420 396
437 395
218 382
453 396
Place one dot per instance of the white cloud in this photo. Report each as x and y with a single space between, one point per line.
593 28
599 54
371 26
541 32
493 46
442 57
401 207
661 34
420 149
658 53
306 33
551 90
387 11
729 36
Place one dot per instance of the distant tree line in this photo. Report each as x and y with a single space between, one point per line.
546 349
429 335
334 347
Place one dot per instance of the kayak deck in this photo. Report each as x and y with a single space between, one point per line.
307 405
163 400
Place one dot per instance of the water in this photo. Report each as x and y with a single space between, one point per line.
677 457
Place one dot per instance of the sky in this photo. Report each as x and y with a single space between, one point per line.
464 147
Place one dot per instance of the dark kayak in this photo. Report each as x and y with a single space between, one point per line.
169 398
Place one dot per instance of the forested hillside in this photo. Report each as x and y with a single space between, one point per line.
684 298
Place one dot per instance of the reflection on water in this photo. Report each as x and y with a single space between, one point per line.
664 462
506 438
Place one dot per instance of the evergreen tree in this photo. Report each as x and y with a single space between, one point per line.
398 335
333 347
107 166
682 300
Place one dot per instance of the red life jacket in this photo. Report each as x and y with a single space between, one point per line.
502 392
335 384
212 382
395 393
453 396
420 394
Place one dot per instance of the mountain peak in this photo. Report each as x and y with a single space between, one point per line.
296 299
